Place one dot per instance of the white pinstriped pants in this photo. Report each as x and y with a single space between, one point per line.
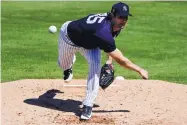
67 50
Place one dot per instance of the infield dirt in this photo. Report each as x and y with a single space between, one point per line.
127 102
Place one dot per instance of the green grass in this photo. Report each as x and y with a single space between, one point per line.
155 38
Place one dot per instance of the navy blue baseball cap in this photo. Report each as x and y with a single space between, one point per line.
120 9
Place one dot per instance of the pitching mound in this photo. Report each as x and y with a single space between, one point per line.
129 102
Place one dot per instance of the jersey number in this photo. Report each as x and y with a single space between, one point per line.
96 18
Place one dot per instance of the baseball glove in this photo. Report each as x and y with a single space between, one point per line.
106 76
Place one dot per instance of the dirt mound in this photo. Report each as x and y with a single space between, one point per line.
129 102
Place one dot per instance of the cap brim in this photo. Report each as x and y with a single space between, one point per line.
125 15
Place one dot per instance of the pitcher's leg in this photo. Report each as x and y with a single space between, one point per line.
66 55
93 57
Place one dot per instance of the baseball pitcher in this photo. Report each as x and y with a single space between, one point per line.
89 35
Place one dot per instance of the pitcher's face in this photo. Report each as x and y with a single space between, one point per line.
119 23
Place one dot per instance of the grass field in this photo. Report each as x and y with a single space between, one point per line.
155 38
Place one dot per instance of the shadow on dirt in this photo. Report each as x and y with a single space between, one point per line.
47 100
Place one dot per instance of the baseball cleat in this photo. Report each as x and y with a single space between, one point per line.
86 113
68 75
